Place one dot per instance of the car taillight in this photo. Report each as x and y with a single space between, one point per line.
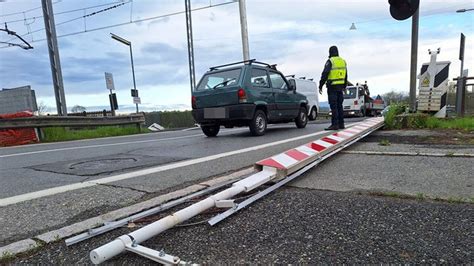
193 102
242 96
356 102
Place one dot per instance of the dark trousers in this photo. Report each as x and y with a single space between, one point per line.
335 98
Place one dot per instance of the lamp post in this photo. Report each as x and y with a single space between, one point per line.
129 44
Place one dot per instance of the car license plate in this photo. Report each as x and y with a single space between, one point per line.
214 113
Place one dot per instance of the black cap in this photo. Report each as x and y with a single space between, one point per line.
333 51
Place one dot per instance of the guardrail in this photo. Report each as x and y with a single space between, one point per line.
324 115
70 121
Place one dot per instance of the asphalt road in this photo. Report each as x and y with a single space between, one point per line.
300 223
34 168
304 226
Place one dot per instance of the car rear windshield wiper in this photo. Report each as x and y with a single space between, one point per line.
223 83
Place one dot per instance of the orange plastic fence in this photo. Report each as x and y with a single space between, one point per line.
18 136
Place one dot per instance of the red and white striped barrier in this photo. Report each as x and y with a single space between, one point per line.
288 161
276 166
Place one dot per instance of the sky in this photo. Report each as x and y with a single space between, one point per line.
294 34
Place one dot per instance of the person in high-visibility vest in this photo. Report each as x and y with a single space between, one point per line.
335 77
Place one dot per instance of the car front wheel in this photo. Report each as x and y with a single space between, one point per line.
258 125
302 118
210 131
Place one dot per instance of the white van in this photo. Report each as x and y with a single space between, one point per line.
309 88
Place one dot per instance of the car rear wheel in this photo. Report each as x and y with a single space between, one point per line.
210 131
302 118
313 114
258 125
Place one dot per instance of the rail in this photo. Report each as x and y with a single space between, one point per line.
69 121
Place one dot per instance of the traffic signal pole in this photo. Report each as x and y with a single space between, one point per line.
414 58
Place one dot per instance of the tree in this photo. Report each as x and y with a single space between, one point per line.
42 108
394 97
78 109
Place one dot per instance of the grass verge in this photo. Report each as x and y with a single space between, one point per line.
465 123
396 118
63 134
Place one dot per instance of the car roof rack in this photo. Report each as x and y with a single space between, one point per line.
247 62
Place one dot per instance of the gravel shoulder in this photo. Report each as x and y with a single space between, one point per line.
295 225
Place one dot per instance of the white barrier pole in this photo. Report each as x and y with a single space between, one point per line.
119 245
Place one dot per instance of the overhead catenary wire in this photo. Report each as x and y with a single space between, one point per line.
123 23
74 19
63 12
25 11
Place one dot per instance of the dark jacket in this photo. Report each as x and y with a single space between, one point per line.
327 67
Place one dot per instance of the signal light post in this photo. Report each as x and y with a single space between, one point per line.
401 10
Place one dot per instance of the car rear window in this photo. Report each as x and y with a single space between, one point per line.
350 93
219 80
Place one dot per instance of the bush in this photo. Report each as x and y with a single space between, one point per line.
390 118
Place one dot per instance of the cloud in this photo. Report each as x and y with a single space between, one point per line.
293 34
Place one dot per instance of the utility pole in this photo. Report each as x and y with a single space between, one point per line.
414 57
50 29
189 32
243 29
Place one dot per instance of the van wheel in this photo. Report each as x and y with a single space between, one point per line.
258 125
313 114
302 118
210 131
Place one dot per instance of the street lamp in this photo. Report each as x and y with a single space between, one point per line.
129 44
464 10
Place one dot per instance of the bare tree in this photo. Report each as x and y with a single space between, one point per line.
78 109
42 108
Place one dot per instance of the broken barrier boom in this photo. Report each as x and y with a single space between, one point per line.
278 166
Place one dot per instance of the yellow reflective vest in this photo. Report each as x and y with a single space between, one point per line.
337 75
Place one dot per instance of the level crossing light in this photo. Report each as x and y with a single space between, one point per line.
129 44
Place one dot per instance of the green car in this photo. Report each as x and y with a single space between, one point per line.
247 93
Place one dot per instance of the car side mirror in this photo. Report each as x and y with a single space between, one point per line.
292 85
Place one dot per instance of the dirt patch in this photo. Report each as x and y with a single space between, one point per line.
433 137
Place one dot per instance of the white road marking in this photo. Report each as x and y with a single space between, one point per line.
98 145
105 145
152 170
